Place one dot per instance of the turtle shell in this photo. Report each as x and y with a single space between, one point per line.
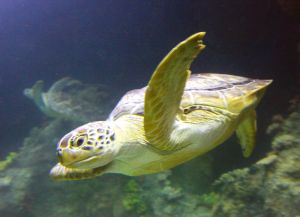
218 90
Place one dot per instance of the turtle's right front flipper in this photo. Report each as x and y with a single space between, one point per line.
164 92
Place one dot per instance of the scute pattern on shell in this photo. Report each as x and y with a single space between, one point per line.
131 103
201 89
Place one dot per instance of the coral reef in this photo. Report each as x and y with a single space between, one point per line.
28 164
270 187
132 199
160 195
26 189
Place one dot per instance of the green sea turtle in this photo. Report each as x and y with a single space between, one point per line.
175 118
70 99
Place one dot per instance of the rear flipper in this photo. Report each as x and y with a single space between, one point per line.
246 132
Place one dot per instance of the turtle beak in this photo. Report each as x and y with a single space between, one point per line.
59 155
70 157
62 144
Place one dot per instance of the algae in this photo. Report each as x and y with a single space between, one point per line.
209 199
132 199
8 160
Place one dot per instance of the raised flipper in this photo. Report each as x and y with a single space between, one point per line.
246 132
164 92
60 173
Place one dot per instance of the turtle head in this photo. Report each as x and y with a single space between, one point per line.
89 146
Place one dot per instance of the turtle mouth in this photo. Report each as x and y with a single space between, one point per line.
86 163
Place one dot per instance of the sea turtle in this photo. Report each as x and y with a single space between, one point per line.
71 99
172 120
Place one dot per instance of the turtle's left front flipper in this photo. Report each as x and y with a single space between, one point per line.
164 92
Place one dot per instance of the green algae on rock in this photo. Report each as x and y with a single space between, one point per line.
132 198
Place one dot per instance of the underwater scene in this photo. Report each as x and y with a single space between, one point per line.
153 108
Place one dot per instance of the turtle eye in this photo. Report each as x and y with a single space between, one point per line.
79 141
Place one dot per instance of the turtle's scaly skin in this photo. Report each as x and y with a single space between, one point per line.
174 119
